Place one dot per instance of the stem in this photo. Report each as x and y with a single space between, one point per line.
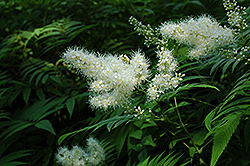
183 126
165 117
207 143
199 101
132 7
184 143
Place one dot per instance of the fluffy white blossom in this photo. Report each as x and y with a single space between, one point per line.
112 78
167 79
202 34
77 156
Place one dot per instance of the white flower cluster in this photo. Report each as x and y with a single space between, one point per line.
235 13
241 54
202 34
167 79
77 156
138 112
112 78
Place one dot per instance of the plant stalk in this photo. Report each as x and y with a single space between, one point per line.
183 126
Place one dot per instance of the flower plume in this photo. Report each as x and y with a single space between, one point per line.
112 78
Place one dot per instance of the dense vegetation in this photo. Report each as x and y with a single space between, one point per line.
44 104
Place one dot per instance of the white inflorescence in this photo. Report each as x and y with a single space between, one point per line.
235 13
203 34
167 79
77 156
151 35
112 78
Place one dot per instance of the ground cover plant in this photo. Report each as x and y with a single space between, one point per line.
125 83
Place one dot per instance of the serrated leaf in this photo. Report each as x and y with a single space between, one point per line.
169 160
222 136
45 125
200 136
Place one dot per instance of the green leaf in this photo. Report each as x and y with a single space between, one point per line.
64 136
169 160
192 151
197 3
200 136
56 79
109 122
122 135
247 134
184 103
137 134
148 141
40 109
26 95
188 65
14 128
32 67
40 94
222 136
216 65
70 104
173 143
45 125
234 65
194 85
8 160
209 119
148 124
45 78
188 78
74 34
229 62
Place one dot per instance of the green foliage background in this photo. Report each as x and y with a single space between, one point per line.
41 99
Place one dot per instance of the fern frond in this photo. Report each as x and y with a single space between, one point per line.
110 123
170 160
59 33
241 84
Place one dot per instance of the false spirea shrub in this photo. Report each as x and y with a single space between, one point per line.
113 79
